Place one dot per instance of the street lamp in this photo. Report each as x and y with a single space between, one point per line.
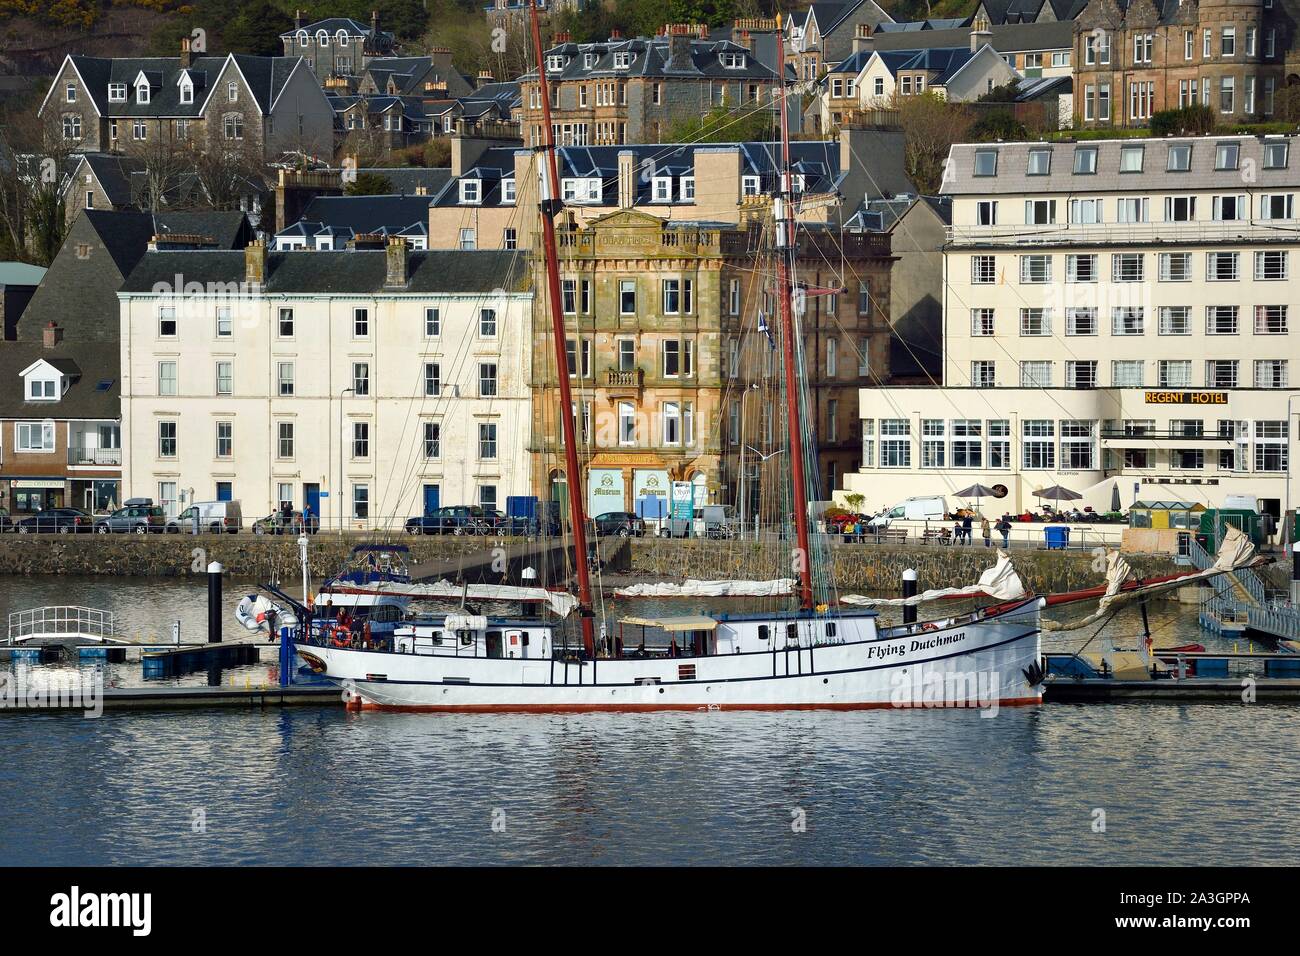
1286 532
339 491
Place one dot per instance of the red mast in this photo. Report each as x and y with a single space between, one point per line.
785 239
548 206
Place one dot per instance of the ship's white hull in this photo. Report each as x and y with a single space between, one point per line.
979 663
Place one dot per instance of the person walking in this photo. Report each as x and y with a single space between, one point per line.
1004 527
987 530
966 528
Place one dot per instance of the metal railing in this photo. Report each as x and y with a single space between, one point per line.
1110 233
61 621
94 456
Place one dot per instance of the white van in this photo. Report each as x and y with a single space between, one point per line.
214 516
922 508
1241 502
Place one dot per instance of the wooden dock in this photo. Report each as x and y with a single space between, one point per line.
1203 689
172 698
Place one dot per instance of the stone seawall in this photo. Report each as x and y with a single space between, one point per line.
865 567
244 556
879 568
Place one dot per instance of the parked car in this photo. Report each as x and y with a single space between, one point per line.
720 521
621 524
6 523
56 520
139 516
214 516
453 519
275 523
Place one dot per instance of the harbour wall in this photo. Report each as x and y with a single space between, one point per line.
866 567
879 567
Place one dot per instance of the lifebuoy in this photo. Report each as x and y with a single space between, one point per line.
340 636
929 626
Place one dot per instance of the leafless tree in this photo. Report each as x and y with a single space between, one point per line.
35 164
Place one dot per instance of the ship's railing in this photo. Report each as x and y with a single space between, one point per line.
61 621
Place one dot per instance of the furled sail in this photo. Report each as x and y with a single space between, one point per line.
561 603
1235 552
1000 582
691 588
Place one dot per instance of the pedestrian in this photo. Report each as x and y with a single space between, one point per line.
987 530
1004 526
957 531
966 528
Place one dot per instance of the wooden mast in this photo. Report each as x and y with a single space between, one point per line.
785 245
549 206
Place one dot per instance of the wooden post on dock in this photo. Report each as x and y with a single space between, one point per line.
909 590
214 602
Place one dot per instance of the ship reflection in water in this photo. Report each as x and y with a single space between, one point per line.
1179 783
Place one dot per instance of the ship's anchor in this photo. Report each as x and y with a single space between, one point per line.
1034 673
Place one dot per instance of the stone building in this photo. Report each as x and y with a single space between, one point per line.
635 90
1133 60
260 106
672 370
337 46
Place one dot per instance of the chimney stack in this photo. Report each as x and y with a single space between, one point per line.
299 21
564 36
255 264
626 179
397 275
980 35
374 23
616 34
863 40
485 76
52 334
185 53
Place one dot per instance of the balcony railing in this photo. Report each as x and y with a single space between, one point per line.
94 456
617 379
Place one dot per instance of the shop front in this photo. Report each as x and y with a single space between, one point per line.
27 496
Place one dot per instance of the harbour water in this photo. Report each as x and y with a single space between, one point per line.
1172 783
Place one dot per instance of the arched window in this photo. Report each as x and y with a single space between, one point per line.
322 38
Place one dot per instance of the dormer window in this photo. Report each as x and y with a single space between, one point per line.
142 91
749 185
733 61
589 60
661 189
42 390
117 92
622 61
187 89
342 38
322 38
688 189
471 191
304 38
507 190
554 63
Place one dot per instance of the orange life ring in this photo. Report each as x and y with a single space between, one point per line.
929 626
340 636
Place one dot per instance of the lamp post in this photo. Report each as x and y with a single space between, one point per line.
1286 531
339 491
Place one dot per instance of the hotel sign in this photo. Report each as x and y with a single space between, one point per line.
1187 398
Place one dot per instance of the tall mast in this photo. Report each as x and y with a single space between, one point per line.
785 246
549 206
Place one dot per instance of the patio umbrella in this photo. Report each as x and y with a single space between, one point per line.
976 491
1058 493
1115 503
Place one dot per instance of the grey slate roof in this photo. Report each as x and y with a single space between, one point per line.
943 62
363 214
79 292
1004 38
1013 161
92 364
818 161
351 272
651 58
265 75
